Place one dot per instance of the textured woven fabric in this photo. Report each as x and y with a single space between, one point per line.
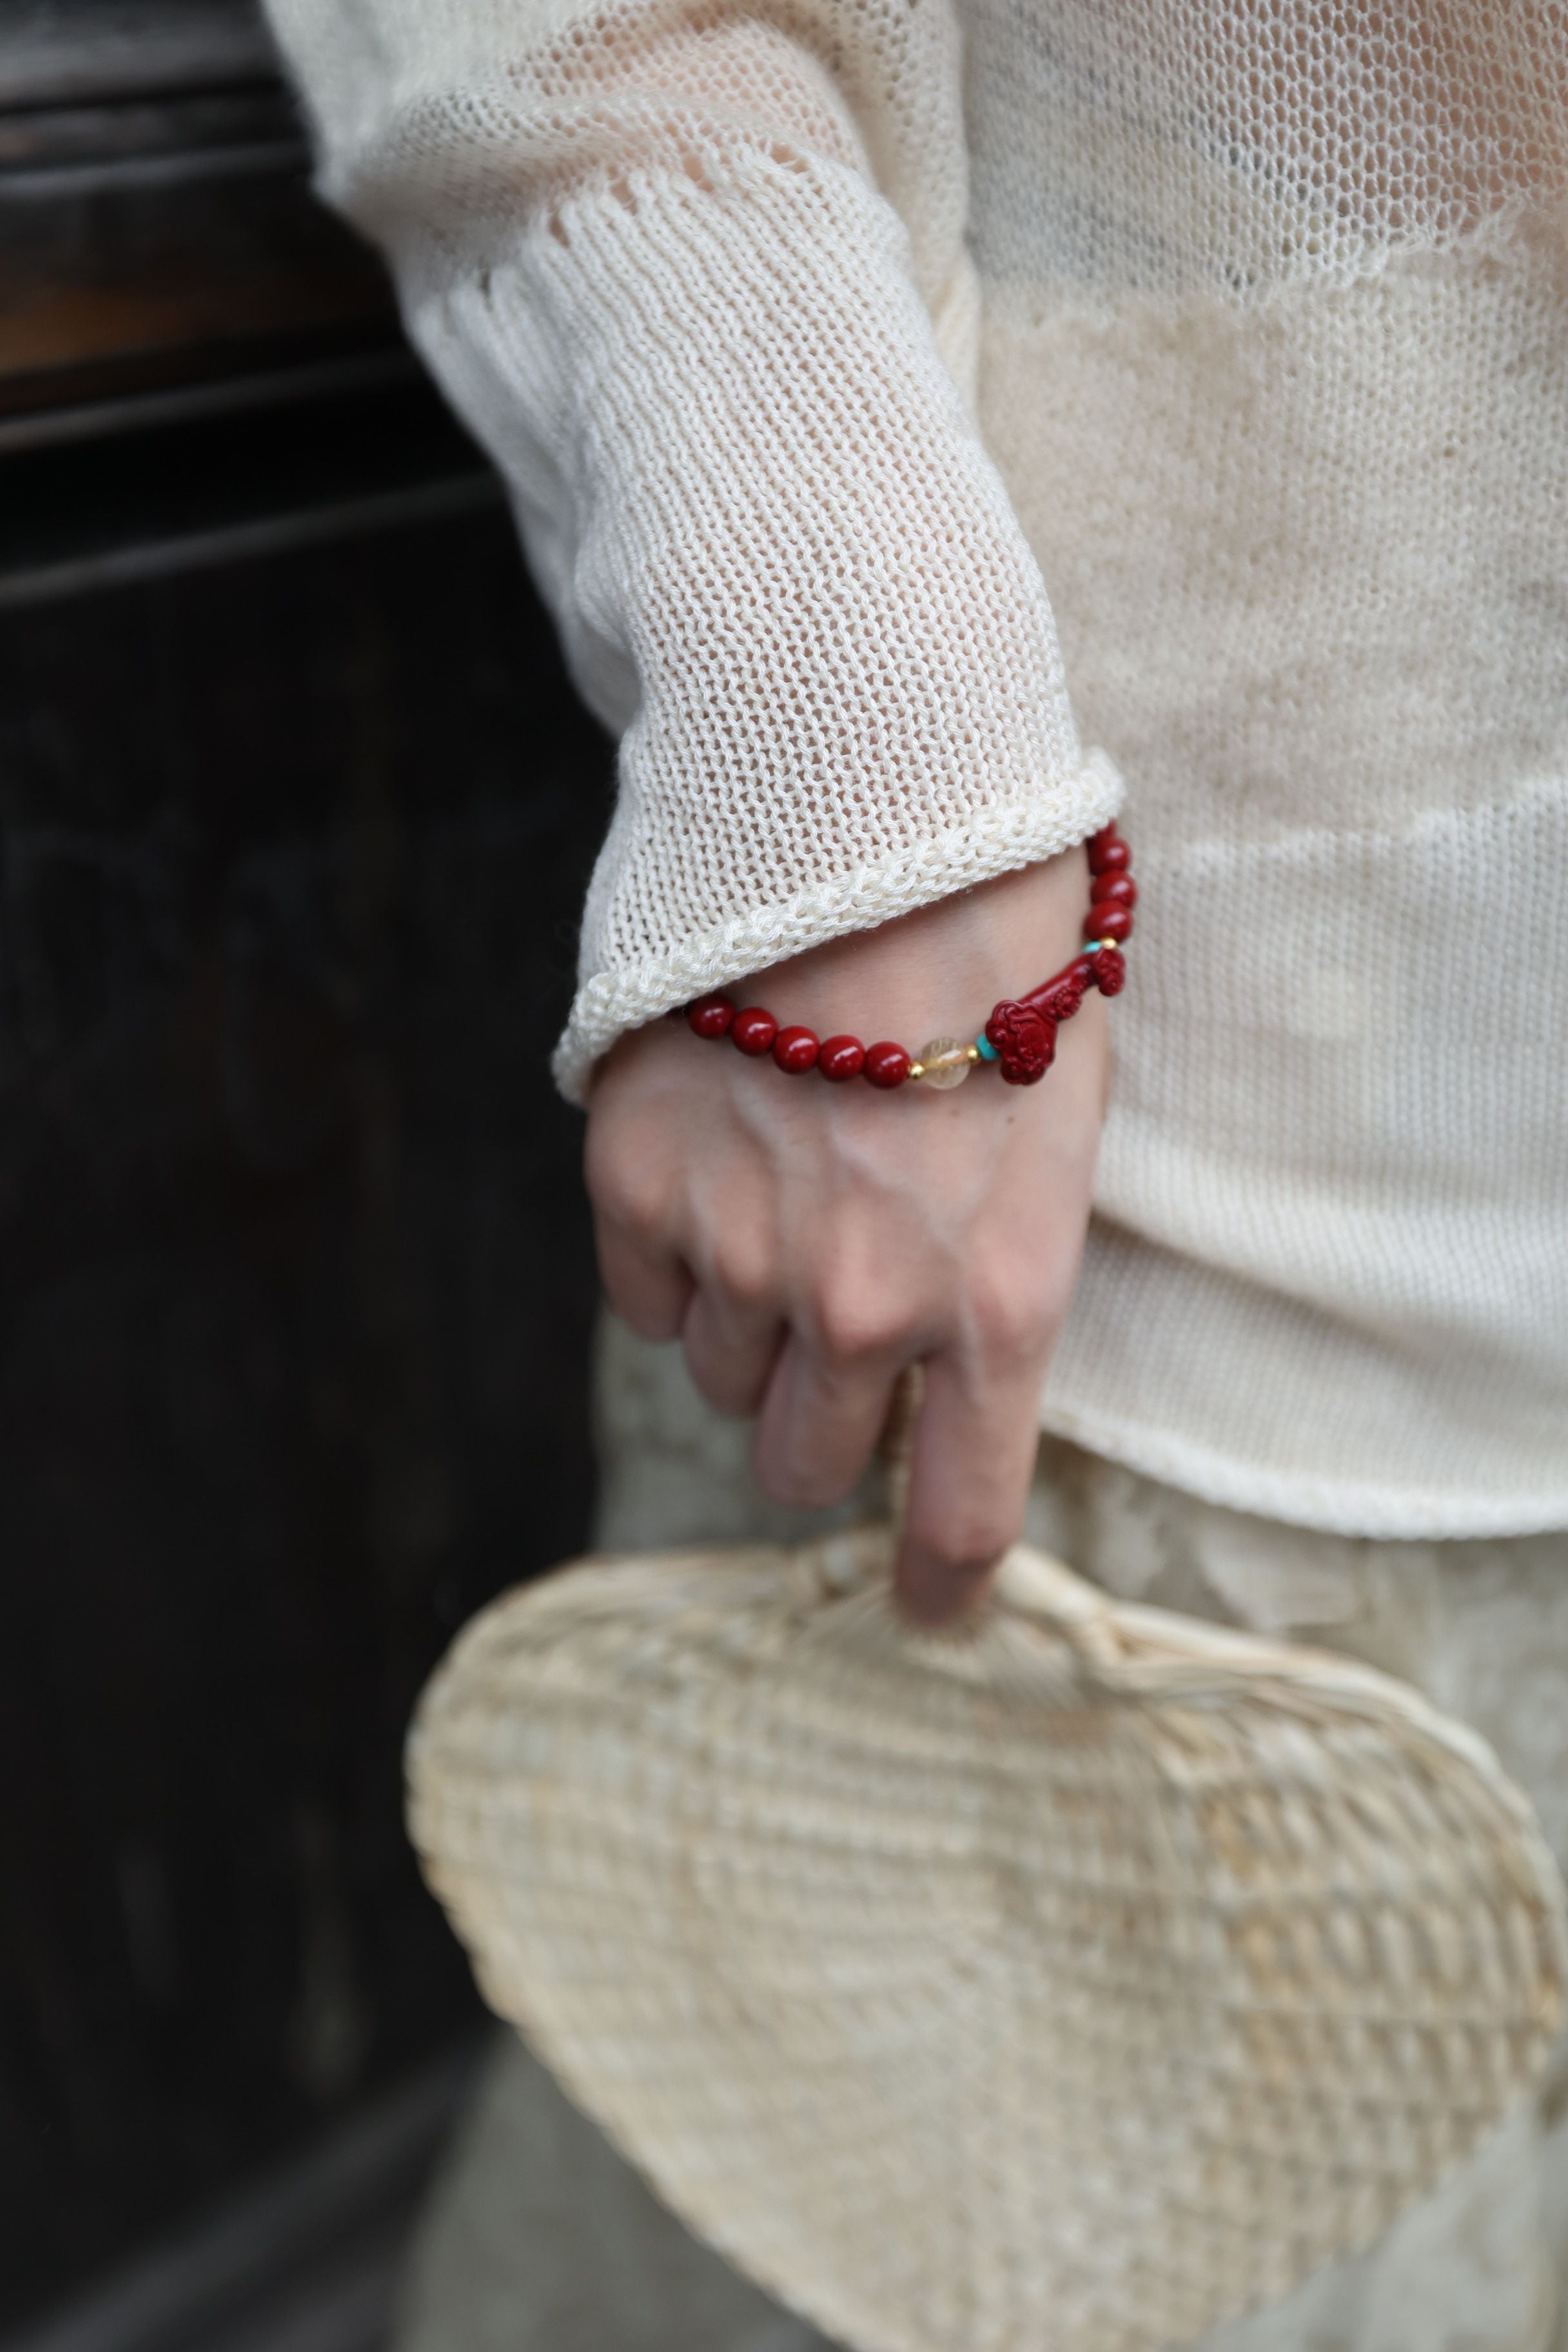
886 1957
810 335
542 2238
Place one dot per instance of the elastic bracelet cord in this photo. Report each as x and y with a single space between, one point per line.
1019 1040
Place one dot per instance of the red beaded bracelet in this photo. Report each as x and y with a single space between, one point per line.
1020 1036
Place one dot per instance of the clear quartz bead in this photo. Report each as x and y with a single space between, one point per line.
943 1063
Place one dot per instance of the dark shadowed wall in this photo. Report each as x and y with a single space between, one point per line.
296 809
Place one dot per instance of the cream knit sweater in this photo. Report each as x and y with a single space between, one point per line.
810 335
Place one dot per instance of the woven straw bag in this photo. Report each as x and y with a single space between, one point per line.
1086 1976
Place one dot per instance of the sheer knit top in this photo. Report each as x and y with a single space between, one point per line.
928 419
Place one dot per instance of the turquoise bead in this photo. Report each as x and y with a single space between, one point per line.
987 1050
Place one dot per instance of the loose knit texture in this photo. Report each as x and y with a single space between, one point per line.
1261 312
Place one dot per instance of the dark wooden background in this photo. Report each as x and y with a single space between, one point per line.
296 809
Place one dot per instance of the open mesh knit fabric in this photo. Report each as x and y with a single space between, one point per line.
817 338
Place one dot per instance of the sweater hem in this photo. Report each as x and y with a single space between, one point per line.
1380 1512
996 842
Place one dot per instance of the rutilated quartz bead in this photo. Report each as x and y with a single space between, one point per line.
943 1063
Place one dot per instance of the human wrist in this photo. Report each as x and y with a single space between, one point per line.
942 964
1019 1037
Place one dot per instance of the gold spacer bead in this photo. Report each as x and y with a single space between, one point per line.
917 1069
971 1053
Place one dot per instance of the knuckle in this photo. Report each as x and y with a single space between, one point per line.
743 1273
1011 1315
858 1321
628 1187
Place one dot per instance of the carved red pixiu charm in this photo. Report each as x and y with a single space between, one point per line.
1058 999
1025 1042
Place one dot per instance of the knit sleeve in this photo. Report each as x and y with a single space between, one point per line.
693 272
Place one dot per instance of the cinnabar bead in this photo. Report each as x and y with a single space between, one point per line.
1115 890
1106 922
753 1030
841 1058
710 1015
1111 856
795 1050
887 1064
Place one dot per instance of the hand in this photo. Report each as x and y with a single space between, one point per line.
807 1241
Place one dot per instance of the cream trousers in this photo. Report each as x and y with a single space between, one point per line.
539 2238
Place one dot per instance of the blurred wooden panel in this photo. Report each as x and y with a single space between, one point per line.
161 227
296 811
103 492
60 52
295 1292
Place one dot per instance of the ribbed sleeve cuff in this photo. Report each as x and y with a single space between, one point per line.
994 842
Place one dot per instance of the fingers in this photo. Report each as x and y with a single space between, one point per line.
631 1184
973 1457
731 1348
646 1283
711 1281
821 1417
802 1265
